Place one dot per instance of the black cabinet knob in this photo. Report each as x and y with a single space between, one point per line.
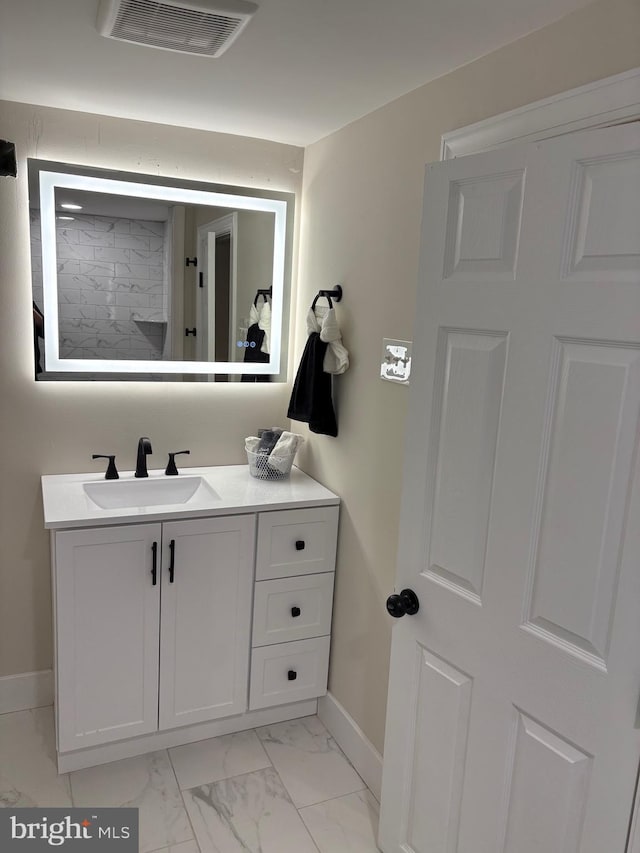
292 675
295 611
405 603
300 545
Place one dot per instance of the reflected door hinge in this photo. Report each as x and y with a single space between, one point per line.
188 332
191 262
201 279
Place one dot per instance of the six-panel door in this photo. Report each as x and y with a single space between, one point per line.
107 611
512 715
205 637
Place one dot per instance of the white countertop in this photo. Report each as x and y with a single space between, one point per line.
66 504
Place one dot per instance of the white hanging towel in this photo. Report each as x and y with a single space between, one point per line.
323 320
262 316
264 323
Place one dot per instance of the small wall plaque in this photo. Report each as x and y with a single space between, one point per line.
396 361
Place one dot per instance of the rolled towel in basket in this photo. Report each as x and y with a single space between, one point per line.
251 443
282 454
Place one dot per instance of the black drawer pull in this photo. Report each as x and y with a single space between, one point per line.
300 545
154 570
295 611
172 563
292 675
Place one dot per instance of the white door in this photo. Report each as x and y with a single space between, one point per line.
514 688
107 612
205 639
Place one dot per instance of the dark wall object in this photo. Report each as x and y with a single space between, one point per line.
8 166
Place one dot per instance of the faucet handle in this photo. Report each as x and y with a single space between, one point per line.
171 469
112 473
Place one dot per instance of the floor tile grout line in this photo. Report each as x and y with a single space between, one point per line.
248 773
331 799
224 778
338 750
342 796
184 804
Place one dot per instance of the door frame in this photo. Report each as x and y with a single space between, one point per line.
612 100
223 225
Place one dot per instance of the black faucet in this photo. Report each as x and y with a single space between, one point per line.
144 448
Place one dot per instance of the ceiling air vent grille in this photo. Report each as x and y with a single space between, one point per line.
202 27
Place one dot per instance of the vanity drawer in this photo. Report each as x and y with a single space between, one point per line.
288 672
289 609
296 542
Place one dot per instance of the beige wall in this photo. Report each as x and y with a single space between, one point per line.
361 210
51 427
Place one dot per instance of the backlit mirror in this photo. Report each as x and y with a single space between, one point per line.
136 277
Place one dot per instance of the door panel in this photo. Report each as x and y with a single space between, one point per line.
205 639
107 634
603 220
591 444
483 227
549 777
442 695
470 378
520 517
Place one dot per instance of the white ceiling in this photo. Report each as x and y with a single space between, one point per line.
301 69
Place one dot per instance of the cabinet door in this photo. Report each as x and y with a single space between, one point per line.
207 578
107 611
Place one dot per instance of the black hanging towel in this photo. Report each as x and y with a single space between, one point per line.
254 354
311 397
255 336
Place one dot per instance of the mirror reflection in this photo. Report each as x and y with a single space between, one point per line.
155 281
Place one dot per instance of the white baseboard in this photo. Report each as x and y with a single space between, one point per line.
352 741
108 752
26 690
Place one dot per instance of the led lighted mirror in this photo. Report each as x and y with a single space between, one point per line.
136 277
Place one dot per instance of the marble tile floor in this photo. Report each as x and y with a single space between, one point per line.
285 788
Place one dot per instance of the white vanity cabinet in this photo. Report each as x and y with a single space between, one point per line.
173 625
152 625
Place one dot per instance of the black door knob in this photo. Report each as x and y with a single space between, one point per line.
292 675
407 602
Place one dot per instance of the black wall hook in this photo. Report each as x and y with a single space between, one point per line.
335 293
264 292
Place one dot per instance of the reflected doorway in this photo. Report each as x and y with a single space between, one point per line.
215 303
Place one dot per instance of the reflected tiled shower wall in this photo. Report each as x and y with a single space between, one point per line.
112 286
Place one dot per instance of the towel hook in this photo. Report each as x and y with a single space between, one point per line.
264 292
335 293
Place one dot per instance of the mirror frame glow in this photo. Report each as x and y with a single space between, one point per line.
50 181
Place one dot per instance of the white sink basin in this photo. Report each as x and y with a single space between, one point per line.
115 494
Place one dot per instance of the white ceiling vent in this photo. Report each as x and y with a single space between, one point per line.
200 27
